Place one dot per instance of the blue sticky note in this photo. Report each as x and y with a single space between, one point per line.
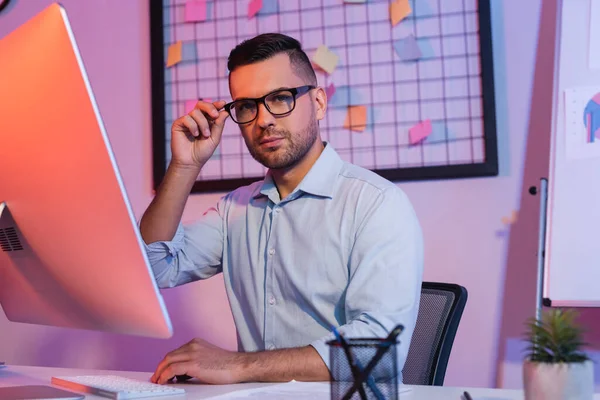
346 96
188 51
440 132
408 49
269 7
217 154
426 48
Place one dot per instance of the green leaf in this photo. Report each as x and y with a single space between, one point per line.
556 338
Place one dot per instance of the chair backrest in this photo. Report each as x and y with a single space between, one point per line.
440 310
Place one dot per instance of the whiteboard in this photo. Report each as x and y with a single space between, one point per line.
572 240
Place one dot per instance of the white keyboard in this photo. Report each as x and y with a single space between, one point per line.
115 387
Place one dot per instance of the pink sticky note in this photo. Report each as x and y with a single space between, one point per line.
419 132
330 90
253 7
195 10
189 105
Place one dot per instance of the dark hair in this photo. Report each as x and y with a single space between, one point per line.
267 45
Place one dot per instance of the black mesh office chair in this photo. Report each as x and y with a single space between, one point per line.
440 310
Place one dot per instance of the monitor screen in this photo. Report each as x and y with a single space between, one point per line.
71 254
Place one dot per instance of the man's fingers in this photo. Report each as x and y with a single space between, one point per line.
211 110
173 357
190 125
178 368
201 121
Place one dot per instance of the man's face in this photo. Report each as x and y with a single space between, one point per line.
277 142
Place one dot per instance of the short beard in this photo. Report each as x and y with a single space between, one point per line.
296 147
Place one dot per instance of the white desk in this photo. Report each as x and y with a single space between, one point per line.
23 375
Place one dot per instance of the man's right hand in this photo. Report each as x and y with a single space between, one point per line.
196 135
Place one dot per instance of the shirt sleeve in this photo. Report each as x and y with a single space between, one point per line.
195 252
386 273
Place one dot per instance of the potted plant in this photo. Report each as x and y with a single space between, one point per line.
555 366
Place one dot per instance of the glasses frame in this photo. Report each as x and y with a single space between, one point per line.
296 92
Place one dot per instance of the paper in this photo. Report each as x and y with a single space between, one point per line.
399 10
254 7
325 59
408 49
269 7
356 118
594 49
174 54
189 51
511 219
195 10
419 132
582 122
189 105
329 91
290 390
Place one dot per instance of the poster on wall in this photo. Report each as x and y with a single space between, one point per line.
582 130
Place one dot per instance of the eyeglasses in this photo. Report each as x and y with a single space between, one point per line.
279 102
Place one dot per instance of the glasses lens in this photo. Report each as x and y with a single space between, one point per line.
243 111
281 102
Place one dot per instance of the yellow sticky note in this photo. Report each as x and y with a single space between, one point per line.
356 118
399 10
325 59
174 54
512 219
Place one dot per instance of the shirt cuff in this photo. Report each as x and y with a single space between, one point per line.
321 346
165 250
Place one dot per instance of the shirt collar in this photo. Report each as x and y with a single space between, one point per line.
319 181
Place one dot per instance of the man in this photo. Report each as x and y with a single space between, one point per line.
319 243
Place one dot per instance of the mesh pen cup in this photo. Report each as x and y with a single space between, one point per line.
382 381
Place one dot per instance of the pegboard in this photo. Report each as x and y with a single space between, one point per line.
450 84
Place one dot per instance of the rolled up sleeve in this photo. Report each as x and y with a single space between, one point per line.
386 272
195 252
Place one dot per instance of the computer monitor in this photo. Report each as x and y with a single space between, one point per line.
71 253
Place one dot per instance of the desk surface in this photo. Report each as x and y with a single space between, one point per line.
25 375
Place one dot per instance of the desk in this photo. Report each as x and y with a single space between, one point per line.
23 375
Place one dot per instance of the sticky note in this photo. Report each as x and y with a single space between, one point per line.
510 220
189 105
325 59
330 90
399 9
189 51
195 10
269 7
254 7
356 118
419 132
174 54
408 49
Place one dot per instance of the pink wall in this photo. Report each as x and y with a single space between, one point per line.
466 242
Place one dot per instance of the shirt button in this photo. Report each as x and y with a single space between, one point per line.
272 251
271 300
277 210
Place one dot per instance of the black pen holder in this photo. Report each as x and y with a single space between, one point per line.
383 376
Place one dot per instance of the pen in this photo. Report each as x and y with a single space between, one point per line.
467 396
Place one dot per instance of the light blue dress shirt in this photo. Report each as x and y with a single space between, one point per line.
344 250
